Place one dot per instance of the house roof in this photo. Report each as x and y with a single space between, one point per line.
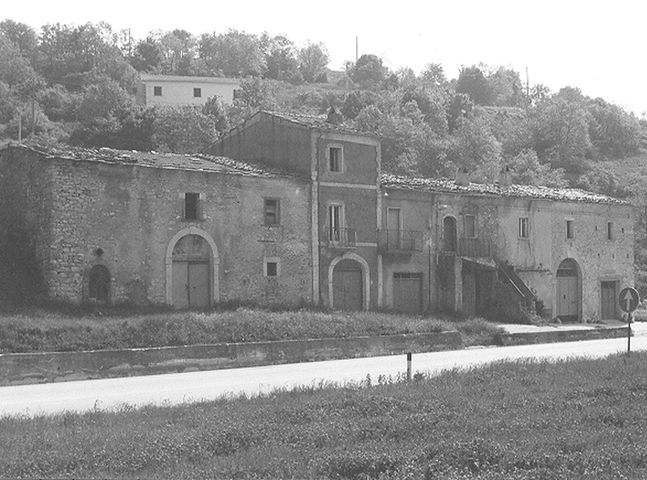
185 78
443 185
170 161
317 122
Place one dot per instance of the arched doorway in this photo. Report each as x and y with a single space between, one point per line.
347 286
349 282
568 290
449 234
192 270
99 284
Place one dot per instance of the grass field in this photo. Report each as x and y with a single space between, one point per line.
37 329
569 420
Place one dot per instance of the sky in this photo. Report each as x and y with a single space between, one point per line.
596 46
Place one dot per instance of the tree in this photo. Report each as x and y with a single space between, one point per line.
178 50
280 59
527 170
215 109
183 130
614 133
368 71
313 60
459 106
233 54
506 88
432 102
434 74
472 82
477 150
148 55
22 36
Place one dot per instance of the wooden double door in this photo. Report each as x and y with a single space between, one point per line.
191 284
347 286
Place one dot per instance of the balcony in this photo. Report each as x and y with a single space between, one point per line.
471 247
399 241
340 237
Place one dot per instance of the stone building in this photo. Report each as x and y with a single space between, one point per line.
305 215
184 90
183 230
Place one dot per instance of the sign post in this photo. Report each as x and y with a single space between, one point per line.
629 300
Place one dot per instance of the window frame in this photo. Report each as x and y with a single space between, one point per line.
197 197
610 232
197 90
277 212
157 90
341 222
474 229
276 261
339 160
524 228
570 229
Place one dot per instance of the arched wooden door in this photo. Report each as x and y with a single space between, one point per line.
191 272
449 234
347 286
568 290
99 284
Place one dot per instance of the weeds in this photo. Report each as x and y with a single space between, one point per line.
523 420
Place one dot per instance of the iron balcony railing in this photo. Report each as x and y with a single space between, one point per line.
340 237
471 247
399 240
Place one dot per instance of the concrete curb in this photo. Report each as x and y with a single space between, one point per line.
24 368
557 335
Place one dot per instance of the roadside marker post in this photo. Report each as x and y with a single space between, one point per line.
409 366
629 299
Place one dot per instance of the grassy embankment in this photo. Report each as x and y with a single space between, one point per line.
570 420
38 330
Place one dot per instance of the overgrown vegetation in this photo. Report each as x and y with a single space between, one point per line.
526 420
38 330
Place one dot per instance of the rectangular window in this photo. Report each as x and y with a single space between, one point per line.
271 211
469 222
570 229
523 227
191 201
334 222
609 230
157 91
197 92
335 159
271 267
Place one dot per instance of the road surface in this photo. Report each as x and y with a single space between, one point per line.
170 389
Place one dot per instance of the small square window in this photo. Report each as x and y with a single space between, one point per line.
469 223
157 91
272 269
191 201
523 227
609 230
335 159
197 92
570 229
271 211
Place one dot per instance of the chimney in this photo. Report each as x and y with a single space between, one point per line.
334 116
505 177
462 177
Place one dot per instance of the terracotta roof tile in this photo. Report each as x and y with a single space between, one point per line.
174 161
443 185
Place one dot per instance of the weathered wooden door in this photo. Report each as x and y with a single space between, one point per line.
393 227
190 285
347 286
407 292
469 293
567 291
609 299
449 234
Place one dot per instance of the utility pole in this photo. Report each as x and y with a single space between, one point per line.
527 84
356 48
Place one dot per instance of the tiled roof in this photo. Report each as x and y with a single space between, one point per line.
173 161
186 78
318 122
443 185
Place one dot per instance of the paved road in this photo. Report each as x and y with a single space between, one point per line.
187 387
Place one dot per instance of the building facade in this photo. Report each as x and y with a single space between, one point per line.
184 90
295 210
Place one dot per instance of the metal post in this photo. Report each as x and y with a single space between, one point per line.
408 366
629 334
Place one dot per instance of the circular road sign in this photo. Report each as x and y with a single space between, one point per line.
628 299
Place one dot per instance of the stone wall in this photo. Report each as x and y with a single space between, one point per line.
124 217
